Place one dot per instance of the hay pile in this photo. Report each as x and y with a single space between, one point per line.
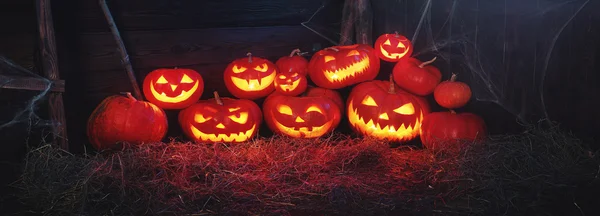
525 173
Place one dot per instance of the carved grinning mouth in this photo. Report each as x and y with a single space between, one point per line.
306 132
402 133
394 55
350 71
253 84
288 87
179 98
232 137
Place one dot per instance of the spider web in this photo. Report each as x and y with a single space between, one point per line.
503 49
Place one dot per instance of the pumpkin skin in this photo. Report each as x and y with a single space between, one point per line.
414 76
221 120
290 84
452 94
448 130
393 47
175 88
376 109
124 119
250 78
340 66
305 116
294 63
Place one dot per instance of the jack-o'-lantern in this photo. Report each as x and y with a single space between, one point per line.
376 109
175 88
393 47
294 63
340 66
290 84
250 78
221 120
304 116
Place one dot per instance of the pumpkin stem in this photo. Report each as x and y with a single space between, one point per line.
396 34
332 48
249 57
427 62
392 89
452 111
453 77
296 51
218 98
128 94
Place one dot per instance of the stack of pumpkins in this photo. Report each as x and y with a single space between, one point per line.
393 110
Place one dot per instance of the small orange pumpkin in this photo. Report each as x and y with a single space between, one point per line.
393 47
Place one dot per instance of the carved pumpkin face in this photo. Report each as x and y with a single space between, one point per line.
340 66
393 47
221 120
250 78
375 110
291 84
307 116
173 88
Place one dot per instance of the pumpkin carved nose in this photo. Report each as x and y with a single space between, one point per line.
220 126
384 116
173 87
298 119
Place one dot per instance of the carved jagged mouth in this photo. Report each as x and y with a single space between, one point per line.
253 84
304 132
389 132
179 98
350 71
232 137
288 87
394 55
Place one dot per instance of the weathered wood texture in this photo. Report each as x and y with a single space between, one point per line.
49 66
189 14
31 83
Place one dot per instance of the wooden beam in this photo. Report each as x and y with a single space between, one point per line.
49 65
31 83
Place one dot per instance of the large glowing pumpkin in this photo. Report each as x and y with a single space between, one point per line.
377 109
393 47
417 77
340 66
125 119
290 84
175 88
451 130
221 120
305 116
250 78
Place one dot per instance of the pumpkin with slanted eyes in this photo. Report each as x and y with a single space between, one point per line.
290 84
221 120
377 109
175 88
340 66
310 115
250 78
393 47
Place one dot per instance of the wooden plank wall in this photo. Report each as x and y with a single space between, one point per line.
202 35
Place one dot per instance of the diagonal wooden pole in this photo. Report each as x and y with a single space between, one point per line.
49 66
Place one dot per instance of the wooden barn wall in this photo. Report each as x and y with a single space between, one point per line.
202 35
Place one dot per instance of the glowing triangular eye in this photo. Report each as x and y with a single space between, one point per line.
329 58
262 68
284 109
369 101
315 109
238 69
161 80
387 42
401 45
199 118
240 120
186 79
406 109
353 53
281 76
234 109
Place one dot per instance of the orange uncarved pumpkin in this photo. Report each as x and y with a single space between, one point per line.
175 88
452 94
124 119
221 120
294 63
450 130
